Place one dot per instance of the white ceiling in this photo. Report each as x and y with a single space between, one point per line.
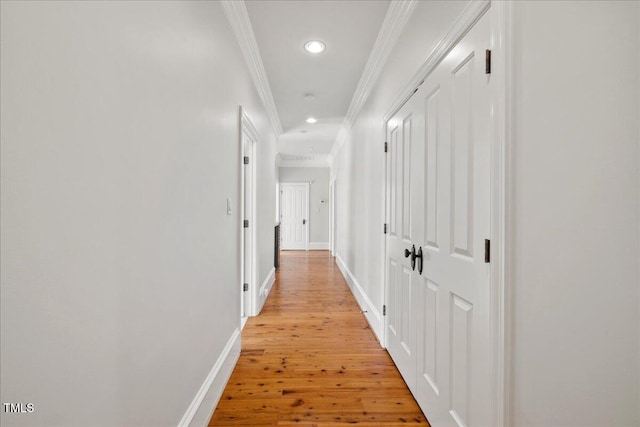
349 29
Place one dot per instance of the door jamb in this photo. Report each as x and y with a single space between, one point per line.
332 222
246 127
501 44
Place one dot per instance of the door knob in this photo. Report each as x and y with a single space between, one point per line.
413 256
419 257
304 221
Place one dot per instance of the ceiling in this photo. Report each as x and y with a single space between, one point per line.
349 30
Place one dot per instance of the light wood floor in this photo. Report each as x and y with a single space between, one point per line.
310 358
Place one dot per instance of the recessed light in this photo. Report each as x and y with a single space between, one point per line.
314 46
311 120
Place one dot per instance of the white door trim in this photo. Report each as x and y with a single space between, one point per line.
332 216
501 189
246 127
306 208
502 210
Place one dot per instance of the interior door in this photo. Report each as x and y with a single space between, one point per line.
294 202
405 133
448 302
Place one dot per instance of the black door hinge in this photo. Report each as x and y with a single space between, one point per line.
487 250
384 310
487 61
245 287
245 223
385 229
246 160
386 147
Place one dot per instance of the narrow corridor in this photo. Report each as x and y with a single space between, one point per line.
310 358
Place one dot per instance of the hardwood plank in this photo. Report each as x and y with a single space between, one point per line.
310 359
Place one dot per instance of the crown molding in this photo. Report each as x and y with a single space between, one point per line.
397 16
321 161
236 12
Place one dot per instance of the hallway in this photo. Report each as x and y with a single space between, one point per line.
310 358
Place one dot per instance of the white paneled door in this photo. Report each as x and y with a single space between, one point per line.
438 192
294 216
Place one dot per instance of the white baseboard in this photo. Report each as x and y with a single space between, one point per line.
265 288
204 403
371 312
318 246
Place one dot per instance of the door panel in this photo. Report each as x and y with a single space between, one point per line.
405 149
406 128
462 160
438 324
429 345
431 169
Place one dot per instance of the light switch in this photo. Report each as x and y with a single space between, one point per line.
228 206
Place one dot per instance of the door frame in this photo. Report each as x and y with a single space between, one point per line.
306 210
501 45
332 216
246 127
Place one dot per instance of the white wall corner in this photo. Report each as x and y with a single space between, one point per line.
371 313
238 17
265 289
206 399
318 246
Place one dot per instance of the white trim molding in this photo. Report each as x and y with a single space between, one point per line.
265 289
319 161
396 18
318 246
502 212
371 313
236 11
206 399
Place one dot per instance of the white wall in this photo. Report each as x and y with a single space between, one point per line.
575 180
318 190
119 266
360 184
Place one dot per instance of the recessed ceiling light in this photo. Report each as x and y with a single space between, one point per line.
314 46
311 120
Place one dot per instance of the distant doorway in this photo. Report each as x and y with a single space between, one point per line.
294 216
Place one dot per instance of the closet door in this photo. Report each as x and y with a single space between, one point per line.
439 203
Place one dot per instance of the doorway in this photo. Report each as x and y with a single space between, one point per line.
248 140
294 215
